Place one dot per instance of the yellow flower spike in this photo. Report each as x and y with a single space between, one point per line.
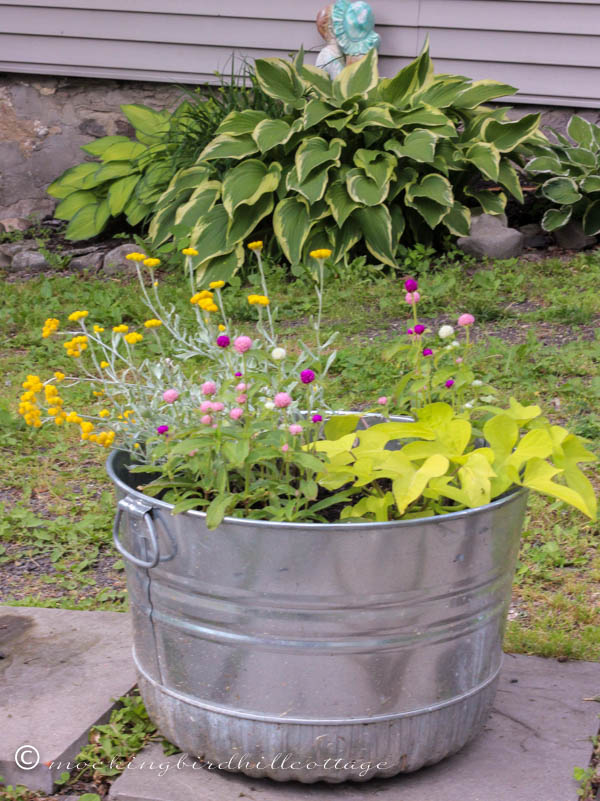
59 376
151 262
155 283
135 256
133 338
121 329
127 413
98 393
152 323
136 445
104 364
255 245
212 308
98 329
189 252
263 301
222 327
53 411
322 253
77 315
59 421
216 284
252 299
104 413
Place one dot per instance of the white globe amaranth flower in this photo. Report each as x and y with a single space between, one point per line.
445 332
278 354
477 383
269 405
469 405
455 344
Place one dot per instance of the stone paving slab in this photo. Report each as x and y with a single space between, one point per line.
538 732
59 674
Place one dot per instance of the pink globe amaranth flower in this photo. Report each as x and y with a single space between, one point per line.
236 413
206 406
285 448
162 429
307 376
427 352
209 388
282 400
170 395
459 360
466 319
412 297
411 285
241 399
223 341
242 344
317 418
206 420
382 400
449 383
217 406
241 387
295 428
419 329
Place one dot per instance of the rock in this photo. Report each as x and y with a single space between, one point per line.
115 262
89 261
9 224
491 238
29 261
535 236
571 237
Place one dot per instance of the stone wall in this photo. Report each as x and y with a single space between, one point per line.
44 120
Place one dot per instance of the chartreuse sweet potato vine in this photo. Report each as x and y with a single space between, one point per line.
355 162
436 465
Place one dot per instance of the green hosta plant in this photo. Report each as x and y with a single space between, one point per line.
358 162
569 172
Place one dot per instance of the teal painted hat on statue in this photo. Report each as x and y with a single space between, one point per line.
353 25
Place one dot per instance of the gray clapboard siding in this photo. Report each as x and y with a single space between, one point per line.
550 49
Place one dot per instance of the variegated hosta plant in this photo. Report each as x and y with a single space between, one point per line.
358 161
569 172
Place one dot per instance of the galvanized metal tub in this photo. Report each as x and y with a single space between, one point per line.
317 652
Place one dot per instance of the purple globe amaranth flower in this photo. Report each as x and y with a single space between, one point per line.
162 429
409 332
411 285
223 341
307 376
427 352
449 383
419 329
317 418
238 375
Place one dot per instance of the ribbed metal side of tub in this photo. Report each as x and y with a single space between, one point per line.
317 652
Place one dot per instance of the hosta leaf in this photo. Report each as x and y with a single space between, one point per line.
318 78
458 220
123 151
88 222
270 133
150 125
486 157
363 189
161 225
357 78
120 192
490 202
72 179
376 225
313 188
199 204
227 146
278 78
580 130
433 213
318 110
591 219
374 116
423 116
189 178
482 92
507 135
291 226
135 211
246 218
509 178
547 164
581 156
69 207
432 186
419 145
314 152
344 239
221 268
248 181
340 202
98 146
209 235
375 163
237 123
399 89
561 190
444 91
590 184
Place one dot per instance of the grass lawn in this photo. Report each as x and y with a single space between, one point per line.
537 336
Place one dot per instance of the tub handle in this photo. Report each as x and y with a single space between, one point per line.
140 510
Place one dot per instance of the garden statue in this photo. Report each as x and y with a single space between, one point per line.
348 28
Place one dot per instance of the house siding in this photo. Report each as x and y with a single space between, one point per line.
550 49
